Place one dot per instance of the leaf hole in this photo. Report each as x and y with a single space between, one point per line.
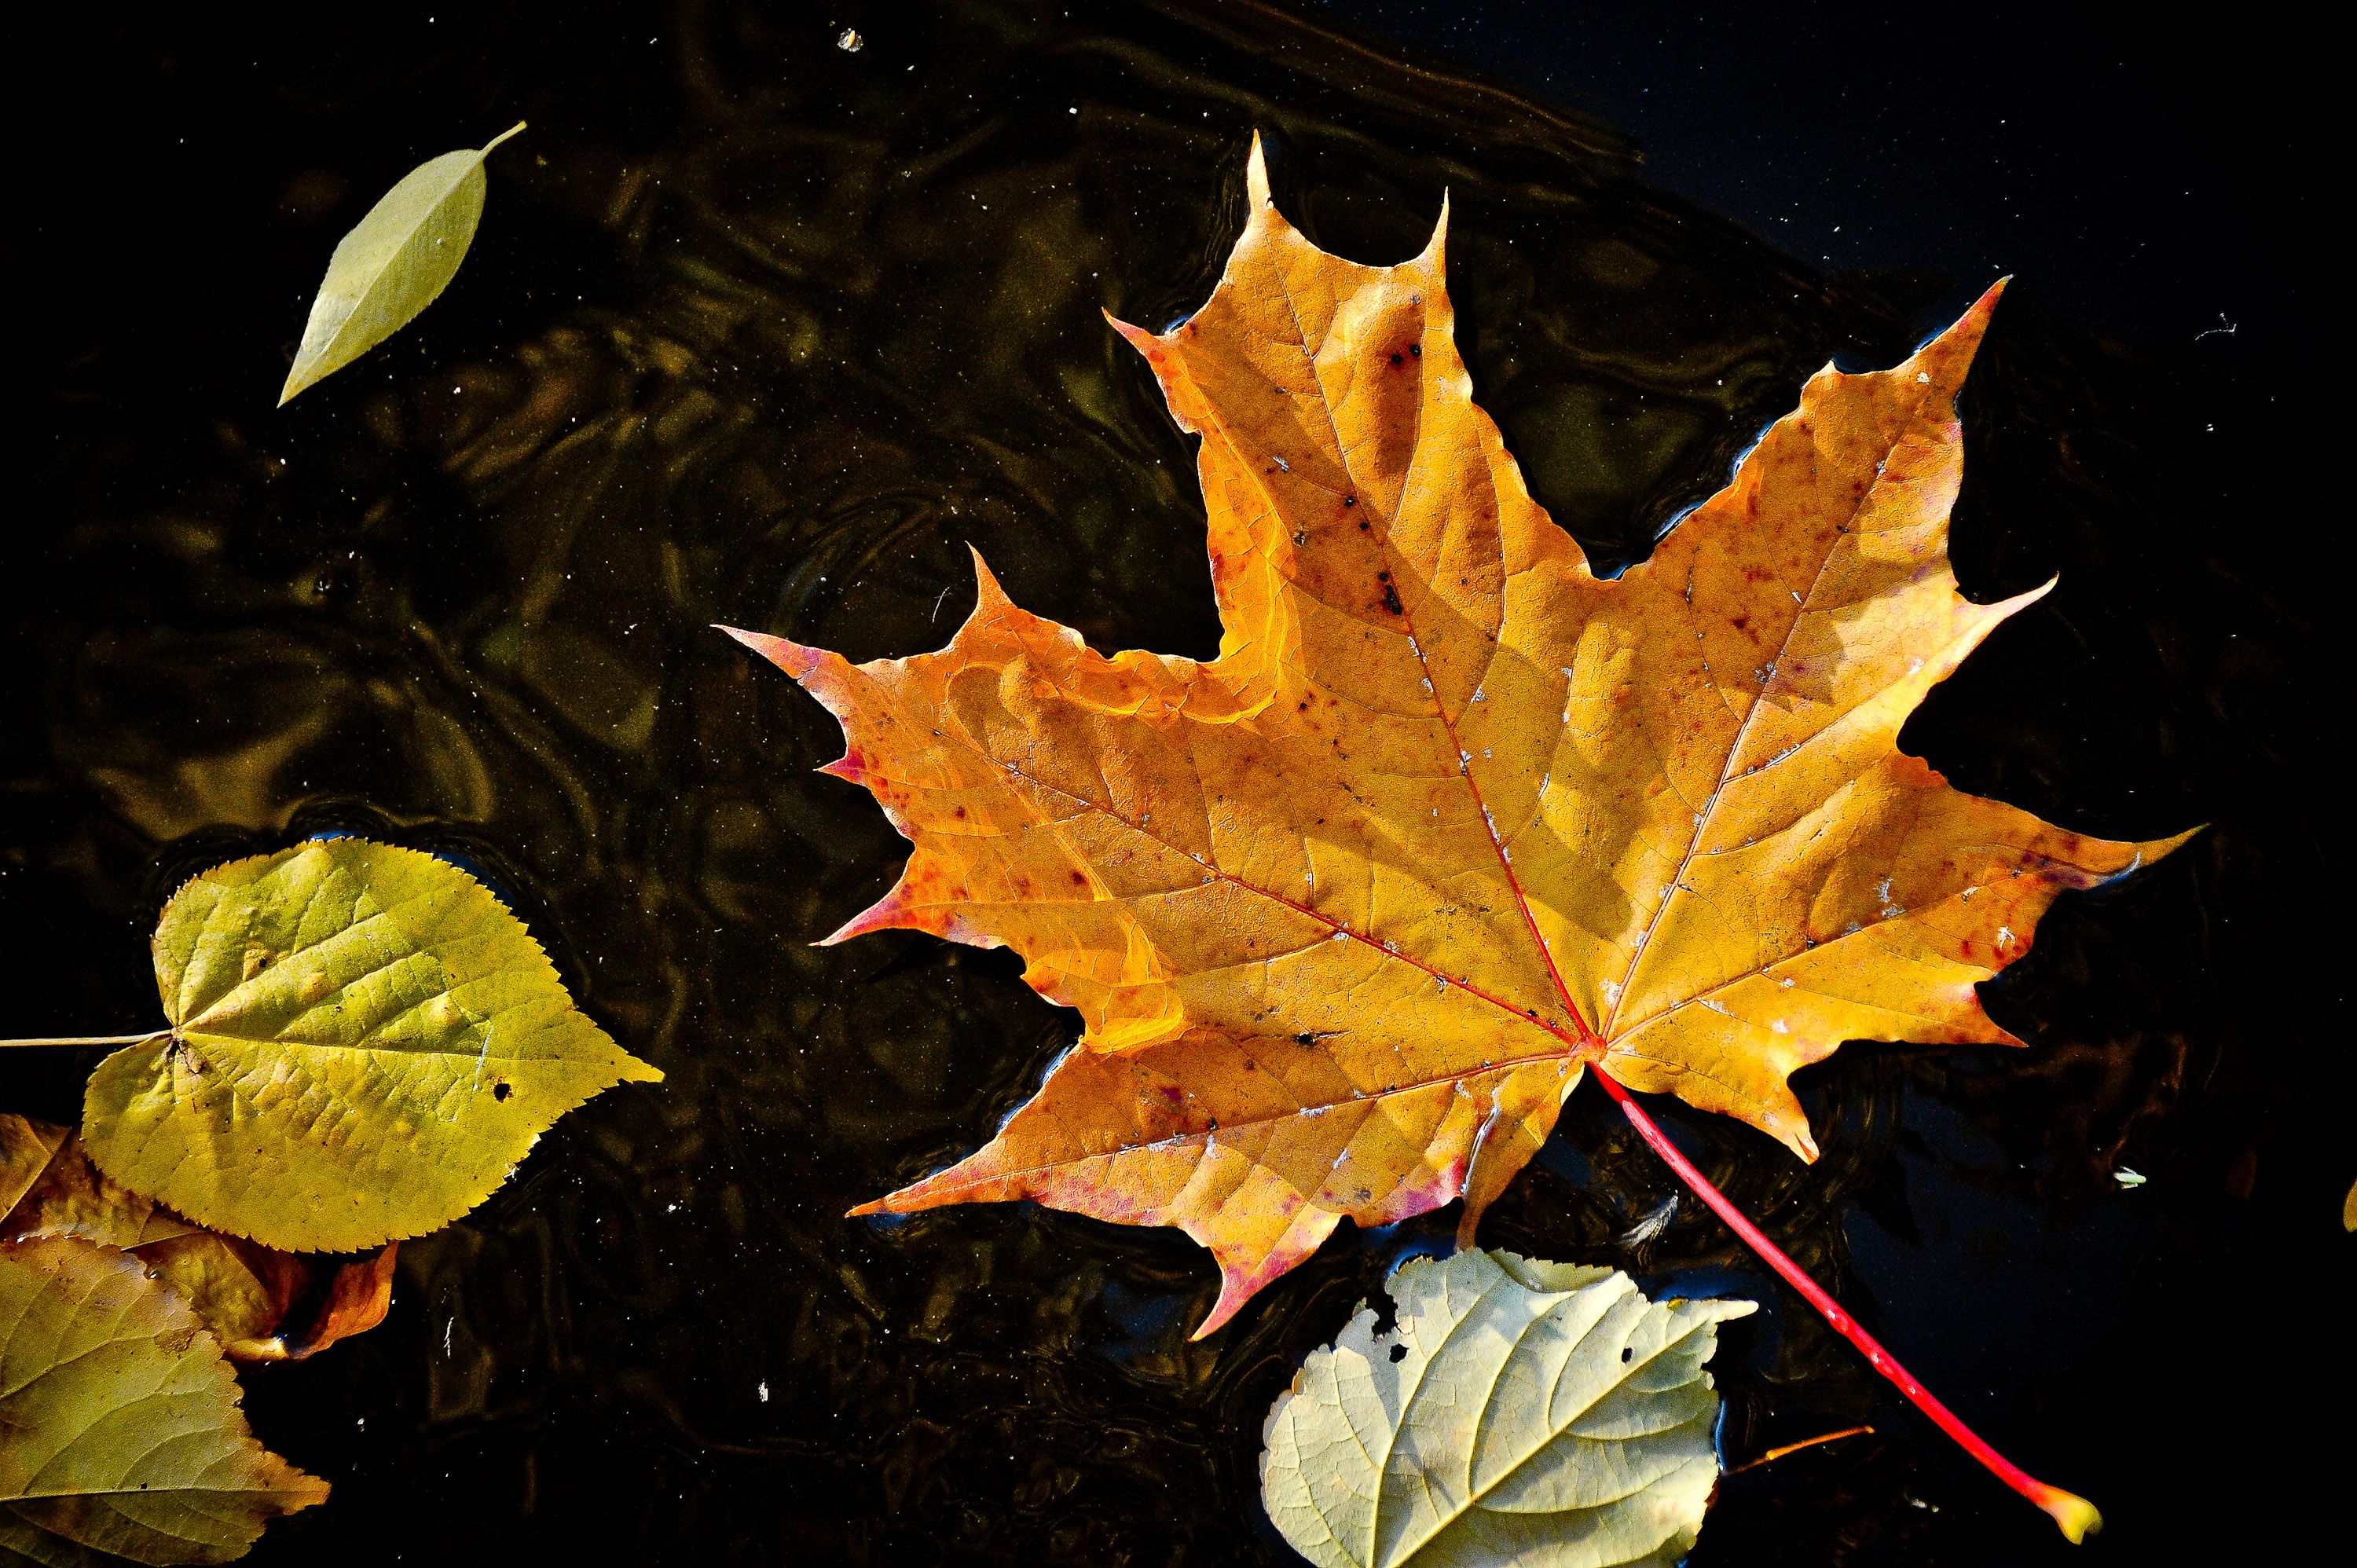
1399 1354
502 1090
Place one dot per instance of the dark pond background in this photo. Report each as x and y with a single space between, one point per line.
757 329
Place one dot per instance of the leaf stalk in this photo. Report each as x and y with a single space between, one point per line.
1781 1451
91 1039
2077 1517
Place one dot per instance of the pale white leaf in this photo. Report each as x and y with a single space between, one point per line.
1521 1413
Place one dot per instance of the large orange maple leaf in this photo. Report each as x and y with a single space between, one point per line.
1348 910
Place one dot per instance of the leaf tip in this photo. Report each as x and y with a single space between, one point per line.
1256 175
987 593
1138 337
885 913
785 653
1943 361
503 135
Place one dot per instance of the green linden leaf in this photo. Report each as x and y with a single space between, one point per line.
393 264
1541 1415
363 1044
120 1430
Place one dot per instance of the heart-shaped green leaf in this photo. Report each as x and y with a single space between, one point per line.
363 1044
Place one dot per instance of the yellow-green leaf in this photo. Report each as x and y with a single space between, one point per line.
1541 1415
120 1430
363 1044
393 264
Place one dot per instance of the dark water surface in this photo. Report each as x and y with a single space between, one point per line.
762 331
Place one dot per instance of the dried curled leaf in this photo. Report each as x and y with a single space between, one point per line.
1348 910
120 1430
1536 1413
263 1305
48 1186
393 264
364 1042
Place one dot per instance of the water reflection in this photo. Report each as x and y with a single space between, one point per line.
768 333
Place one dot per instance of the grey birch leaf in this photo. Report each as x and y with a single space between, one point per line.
120 1430
1538 1414
393 264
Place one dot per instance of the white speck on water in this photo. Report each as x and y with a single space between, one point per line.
1653 1224
762 1389
849 42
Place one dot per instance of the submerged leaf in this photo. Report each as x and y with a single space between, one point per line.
263 1305
393 263
120 1430
1348 911
364 1042
48 1186
1541 1414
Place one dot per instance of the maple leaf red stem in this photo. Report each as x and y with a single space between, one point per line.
2075 1515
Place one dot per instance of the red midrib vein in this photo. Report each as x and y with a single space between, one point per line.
1416 645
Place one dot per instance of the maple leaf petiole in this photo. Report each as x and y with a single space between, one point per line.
2077 1516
